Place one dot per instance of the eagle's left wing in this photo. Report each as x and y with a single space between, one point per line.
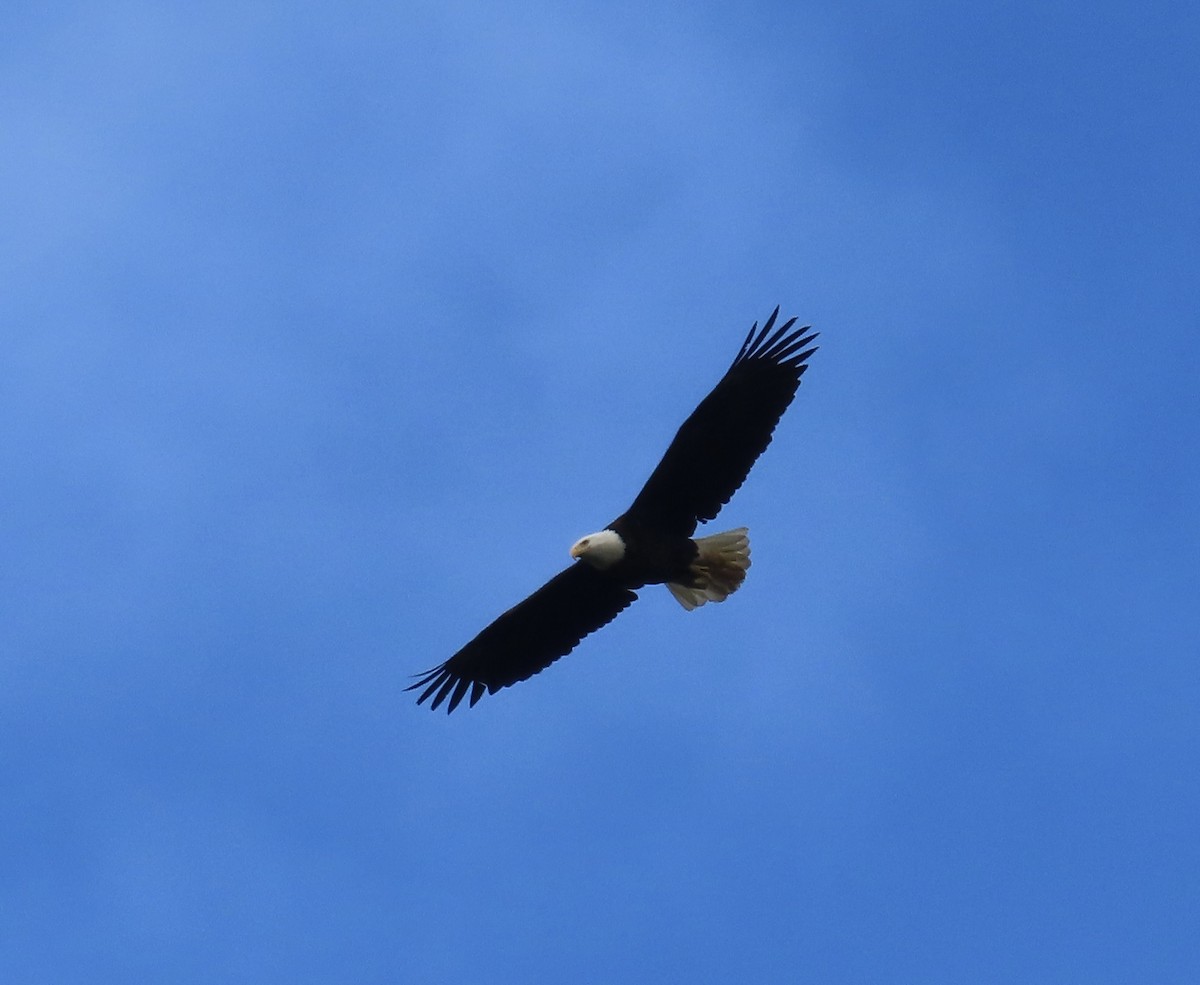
713 451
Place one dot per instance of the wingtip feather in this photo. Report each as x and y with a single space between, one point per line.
459 692
446 688
771 343
767 349
786 352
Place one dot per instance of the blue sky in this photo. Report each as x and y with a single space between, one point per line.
327 328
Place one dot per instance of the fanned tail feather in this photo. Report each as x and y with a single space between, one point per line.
718 571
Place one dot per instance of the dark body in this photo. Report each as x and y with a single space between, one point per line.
704 466
652 556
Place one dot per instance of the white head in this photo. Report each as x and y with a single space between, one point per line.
601 550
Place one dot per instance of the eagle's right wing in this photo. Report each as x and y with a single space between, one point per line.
529 637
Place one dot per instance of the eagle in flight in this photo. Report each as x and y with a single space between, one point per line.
651 543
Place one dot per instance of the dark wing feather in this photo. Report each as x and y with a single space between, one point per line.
713 451
528 638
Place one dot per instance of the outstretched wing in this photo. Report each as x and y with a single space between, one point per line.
712 453
529 637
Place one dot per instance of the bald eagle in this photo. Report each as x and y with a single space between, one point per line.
651 542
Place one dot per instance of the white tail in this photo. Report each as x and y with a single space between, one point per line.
718 571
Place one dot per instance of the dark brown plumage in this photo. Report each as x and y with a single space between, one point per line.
650 543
